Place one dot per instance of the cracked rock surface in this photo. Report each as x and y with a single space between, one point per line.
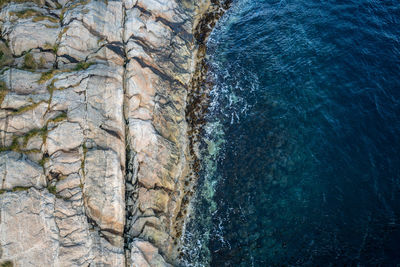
94 150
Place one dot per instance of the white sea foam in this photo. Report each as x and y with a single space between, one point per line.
226 105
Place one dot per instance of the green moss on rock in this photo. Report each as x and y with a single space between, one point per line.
53 47
60 117
13 147
83 65
41 18
27 13
42 62
6 58
20 188
7 264
32 133
3 91
52 189
29 62
4 2
27 108
47 76
43 161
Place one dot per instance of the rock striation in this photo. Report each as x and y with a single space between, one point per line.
95 158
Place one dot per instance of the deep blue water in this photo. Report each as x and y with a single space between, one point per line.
301 152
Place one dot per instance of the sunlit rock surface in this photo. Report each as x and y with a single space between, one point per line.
93 131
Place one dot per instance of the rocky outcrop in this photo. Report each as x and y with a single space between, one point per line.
95 156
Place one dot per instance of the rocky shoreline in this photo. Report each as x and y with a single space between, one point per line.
100 102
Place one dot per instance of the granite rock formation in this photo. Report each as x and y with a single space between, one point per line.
95 157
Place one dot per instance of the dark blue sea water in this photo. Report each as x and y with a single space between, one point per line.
301 152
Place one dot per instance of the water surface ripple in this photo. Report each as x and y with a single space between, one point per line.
301 162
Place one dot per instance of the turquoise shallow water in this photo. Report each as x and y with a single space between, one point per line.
300 158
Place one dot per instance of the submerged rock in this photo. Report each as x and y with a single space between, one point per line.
93 133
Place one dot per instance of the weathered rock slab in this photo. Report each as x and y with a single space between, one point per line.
17 170
28 231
